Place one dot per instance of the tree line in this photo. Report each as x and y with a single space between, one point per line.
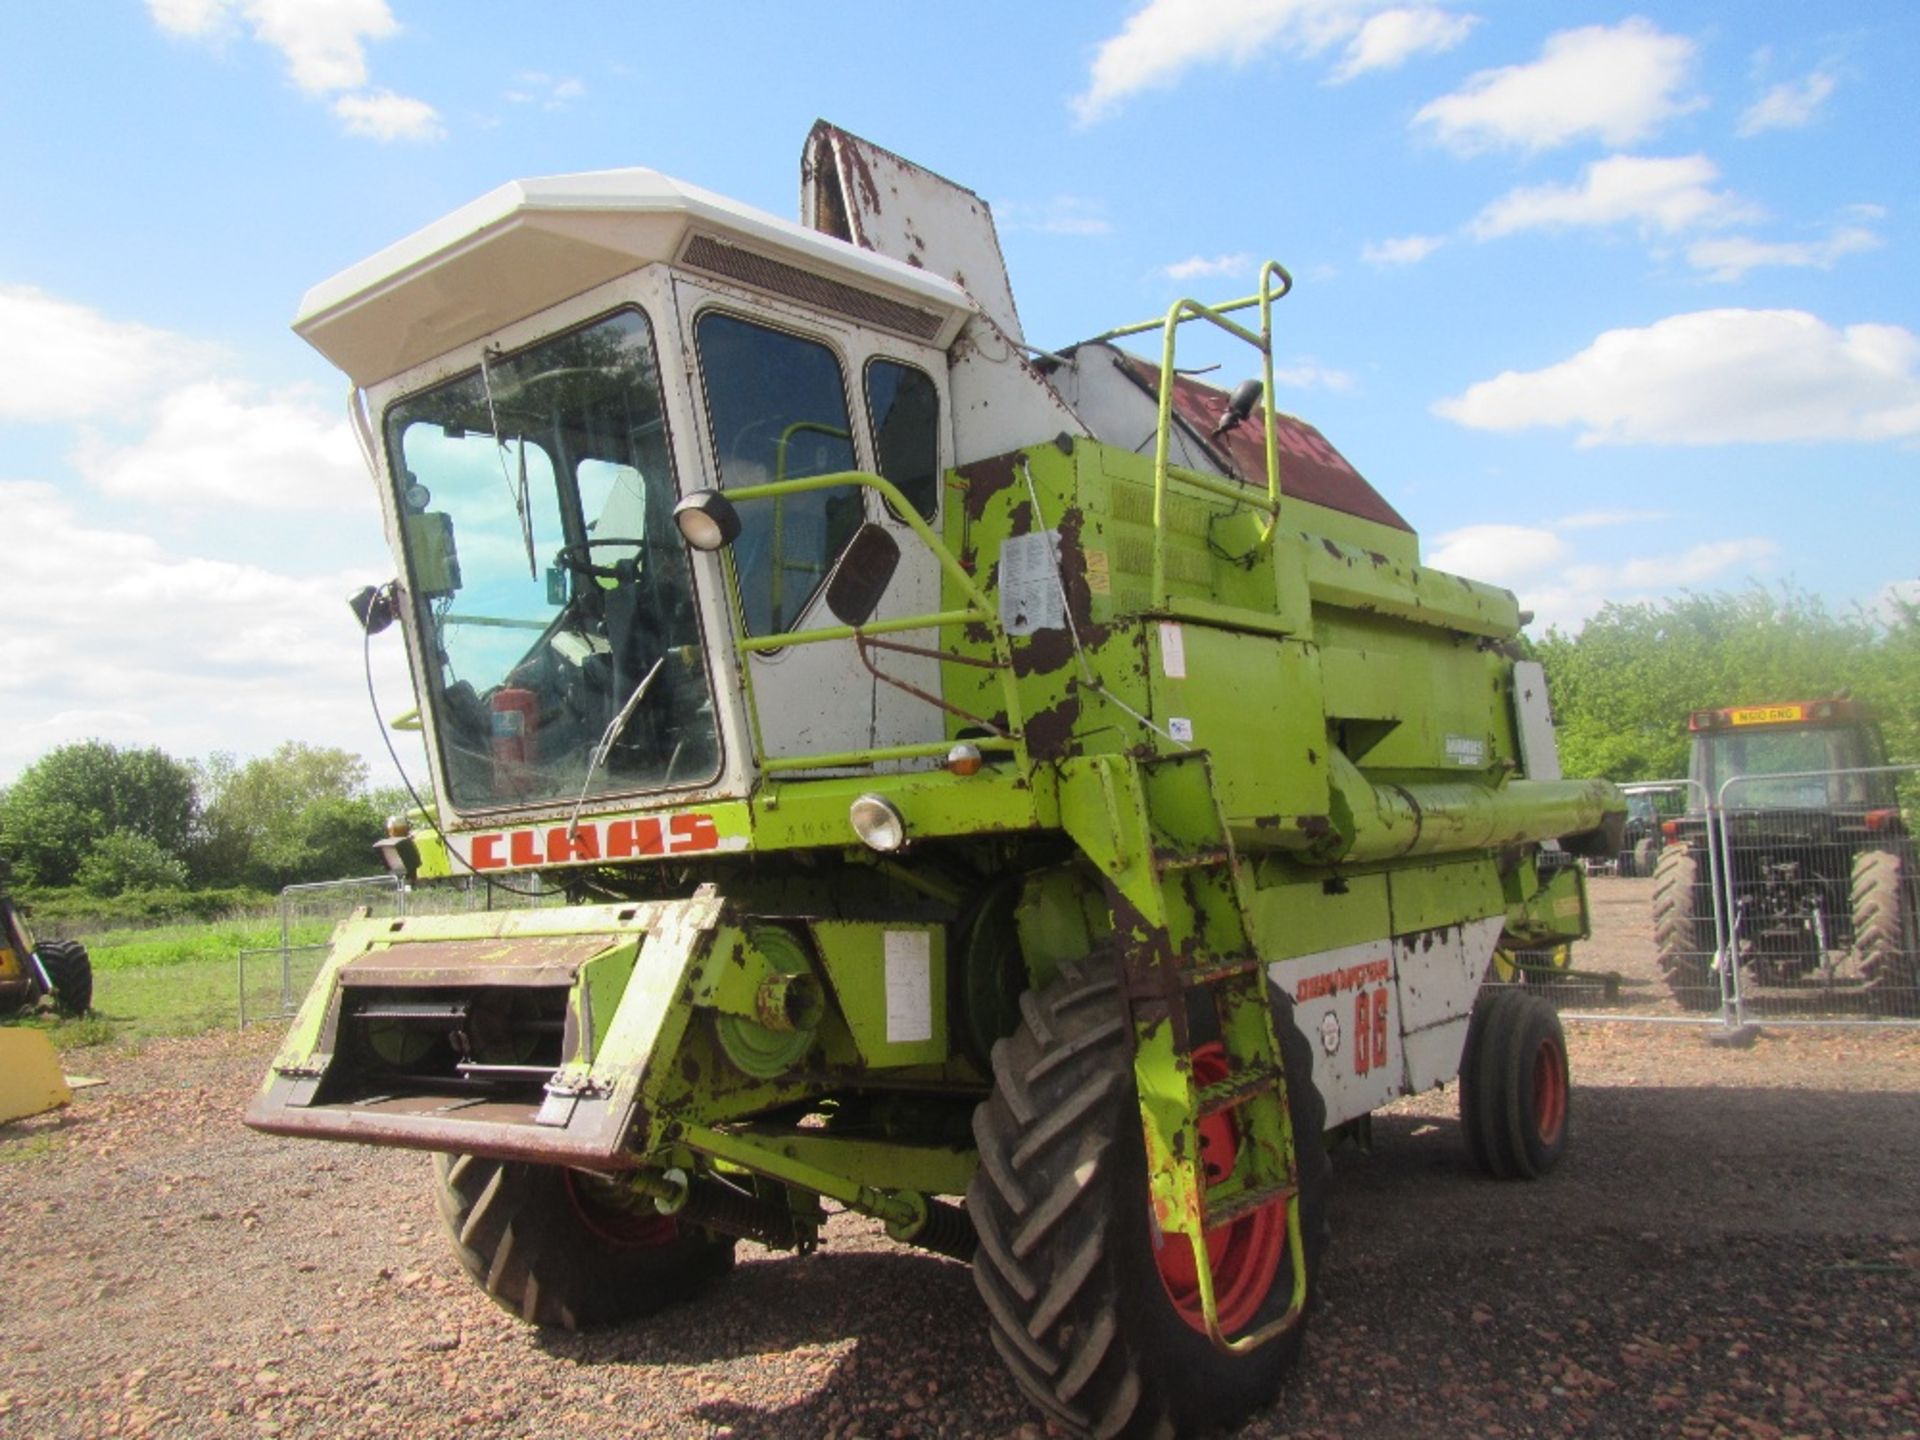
1624 683
105 821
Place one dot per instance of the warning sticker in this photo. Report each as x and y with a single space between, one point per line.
1030 584
909 964
1173 651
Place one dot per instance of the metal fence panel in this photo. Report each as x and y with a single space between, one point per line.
1819 896
274 980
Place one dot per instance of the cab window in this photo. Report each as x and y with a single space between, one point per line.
777 410
904 408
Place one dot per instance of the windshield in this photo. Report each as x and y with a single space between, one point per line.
549 579
1758 753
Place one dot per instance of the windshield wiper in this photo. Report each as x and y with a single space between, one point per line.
605 747
518 492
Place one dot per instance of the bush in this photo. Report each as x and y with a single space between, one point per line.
62 913
126 860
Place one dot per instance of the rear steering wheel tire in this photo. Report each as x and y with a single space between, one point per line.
70 972
1682 933
1079 1287
547 1246
1886 930
1514 1091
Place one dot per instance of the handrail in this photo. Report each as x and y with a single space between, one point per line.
1177 315
979 611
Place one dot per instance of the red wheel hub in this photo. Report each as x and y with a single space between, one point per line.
1549 1092
1246 1254
630 1228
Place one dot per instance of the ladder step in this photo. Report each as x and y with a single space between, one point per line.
1224 1095
1245 1203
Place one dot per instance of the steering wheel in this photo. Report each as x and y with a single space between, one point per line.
579 558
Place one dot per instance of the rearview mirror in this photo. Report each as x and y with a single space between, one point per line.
862 576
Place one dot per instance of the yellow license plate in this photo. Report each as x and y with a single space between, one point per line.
1768 714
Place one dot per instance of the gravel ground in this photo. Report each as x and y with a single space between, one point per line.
1732 1248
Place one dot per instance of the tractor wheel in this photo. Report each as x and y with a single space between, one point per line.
1514 1095
1098 1319
545 1244
1682 935
71 974
1886 930
1646 855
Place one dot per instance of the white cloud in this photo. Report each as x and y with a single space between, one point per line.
1498 554
1668 195
222 443
1603 519
62 361
1732 258
1788 105
323 43
1388 40
1543 569
536 87
170 649
1307 375
1164 39
1196 267
382 115
1061 215
1618 85
1406 250
1715 377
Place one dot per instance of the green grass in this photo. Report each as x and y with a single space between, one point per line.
184 980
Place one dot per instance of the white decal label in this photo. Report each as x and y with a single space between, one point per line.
1180 728
909 986
1173 651
1030 584
1466 751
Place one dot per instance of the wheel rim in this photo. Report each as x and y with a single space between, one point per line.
1549 1092
624 1226
1246 1254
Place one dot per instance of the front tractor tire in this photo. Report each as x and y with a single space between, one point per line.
1515 1097
70 972
1886 930
1683 929
1098 1323
549 1246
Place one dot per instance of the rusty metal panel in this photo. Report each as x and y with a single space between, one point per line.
1310 468
516 960
852 189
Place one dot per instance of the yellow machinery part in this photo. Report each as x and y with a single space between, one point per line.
30 1076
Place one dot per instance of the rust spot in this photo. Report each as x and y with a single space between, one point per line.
986 479
1050 731
1044 652
1318 826
1331 548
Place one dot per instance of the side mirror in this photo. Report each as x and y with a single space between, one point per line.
862 576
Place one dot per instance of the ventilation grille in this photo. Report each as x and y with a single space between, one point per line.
762 273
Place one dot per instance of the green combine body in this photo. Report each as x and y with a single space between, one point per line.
1041 846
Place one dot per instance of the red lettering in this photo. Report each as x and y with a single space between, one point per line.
629 838
584 845
523 848
1362 1036
1379 1028
693 832
486 853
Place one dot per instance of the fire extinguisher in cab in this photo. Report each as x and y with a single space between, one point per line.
516 739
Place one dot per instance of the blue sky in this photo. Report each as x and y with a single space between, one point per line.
1611 301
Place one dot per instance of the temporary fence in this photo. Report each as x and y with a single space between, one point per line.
274 979
1785 898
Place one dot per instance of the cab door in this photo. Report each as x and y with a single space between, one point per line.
784 394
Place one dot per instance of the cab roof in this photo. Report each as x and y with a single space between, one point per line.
531 244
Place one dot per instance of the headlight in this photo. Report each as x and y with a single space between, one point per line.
878 824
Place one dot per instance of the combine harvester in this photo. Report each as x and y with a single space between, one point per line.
951 799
